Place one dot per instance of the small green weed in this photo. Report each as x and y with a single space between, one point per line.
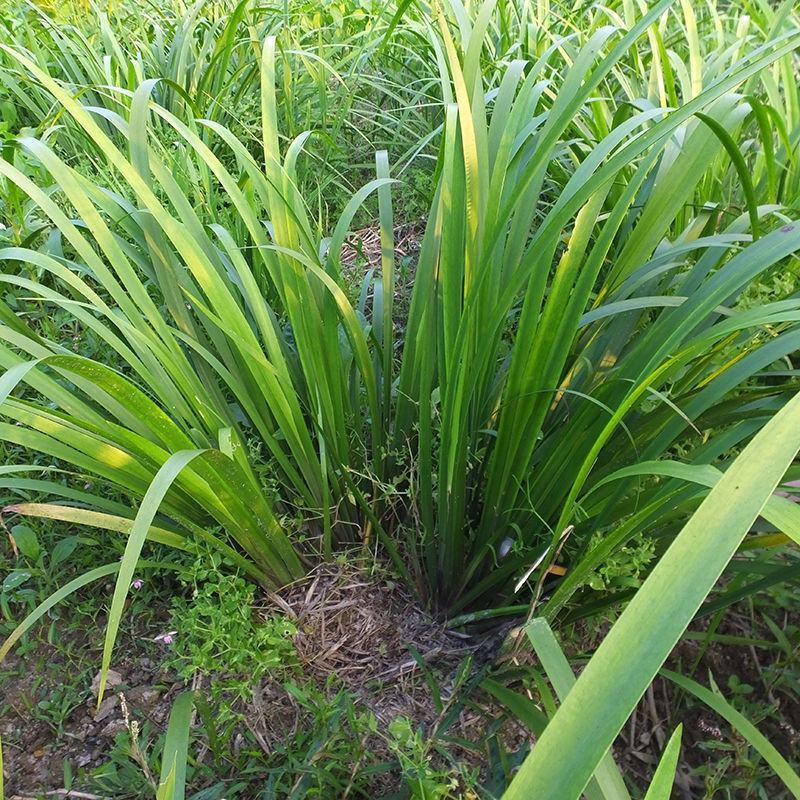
626 568
423 779
215 626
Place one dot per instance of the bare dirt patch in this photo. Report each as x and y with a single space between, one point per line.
34 751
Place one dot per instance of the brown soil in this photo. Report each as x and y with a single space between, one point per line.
640 744
363 247
33 752
657 715
362 628
359 627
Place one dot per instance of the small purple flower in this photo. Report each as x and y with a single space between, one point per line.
137 583
166 638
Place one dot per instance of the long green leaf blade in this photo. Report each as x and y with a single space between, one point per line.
628 659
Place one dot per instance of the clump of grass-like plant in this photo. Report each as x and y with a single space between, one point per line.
573 320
